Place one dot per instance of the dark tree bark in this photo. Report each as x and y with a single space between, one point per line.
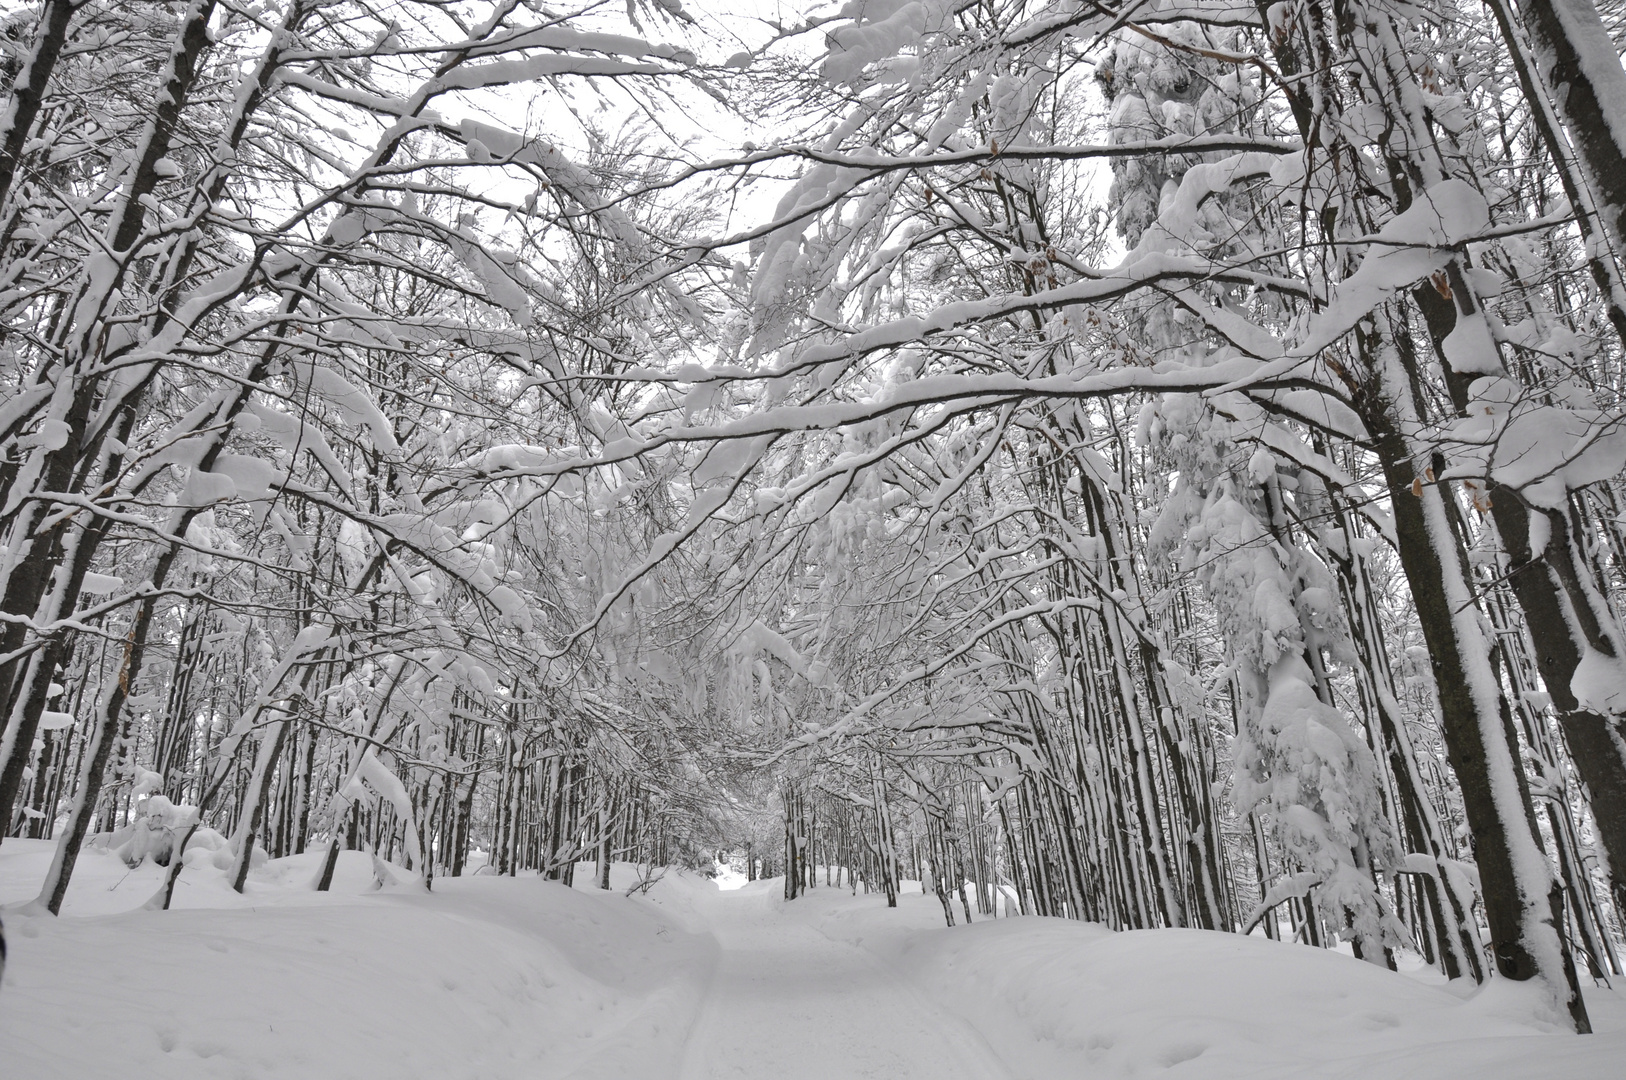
29 89
1577 60
1523 901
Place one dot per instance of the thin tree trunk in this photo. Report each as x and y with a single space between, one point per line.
259 785
177 861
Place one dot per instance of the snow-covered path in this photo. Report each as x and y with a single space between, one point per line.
492 978
785 1001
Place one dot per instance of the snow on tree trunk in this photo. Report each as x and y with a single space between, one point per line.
1523 904
248 826
1579 64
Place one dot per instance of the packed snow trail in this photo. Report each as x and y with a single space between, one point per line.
785 1001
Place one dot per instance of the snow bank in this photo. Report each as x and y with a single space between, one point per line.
484 977
1065 999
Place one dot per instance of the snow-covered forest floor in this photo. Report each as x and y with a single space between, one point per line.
508 977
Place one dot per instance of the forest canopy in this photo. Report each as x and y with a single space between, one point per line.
1155 462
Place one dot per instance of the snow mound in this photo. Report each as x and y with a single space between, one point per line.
484 977
1057 998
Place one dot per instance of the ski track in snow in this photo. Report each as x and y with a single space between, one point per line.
786 1001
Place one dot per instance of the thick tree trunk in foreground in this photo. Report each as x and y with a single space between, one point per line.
1523 901
1597 744
29 89
1578 63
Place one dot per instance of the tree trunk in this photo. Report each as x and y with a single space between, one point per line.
324 880
177 861
1523 902
1597 743
603 875
87 792
1578 63
259 786
29 88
